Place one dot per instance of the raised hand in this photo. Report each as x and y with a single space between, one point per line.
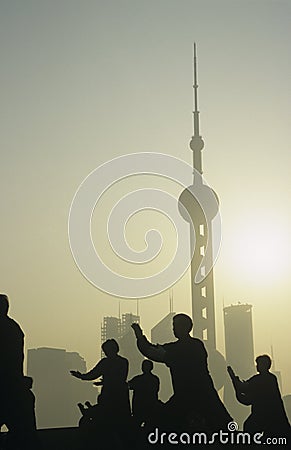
230 371
137 329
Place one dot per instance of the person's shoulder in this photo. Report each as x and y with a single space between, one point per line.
135 379
198 343
102 361
14 325
122 359
273 377
254 379
168 345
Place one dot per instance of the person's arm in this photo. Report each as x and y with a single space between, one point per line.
94 373
240 387
154 352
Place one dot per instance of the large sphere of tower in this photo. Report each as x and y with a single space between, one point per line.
200 202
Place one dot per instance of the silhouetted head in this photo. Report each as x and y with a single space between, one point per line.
182 325
264 363
27 382
4 305
147 366
110 347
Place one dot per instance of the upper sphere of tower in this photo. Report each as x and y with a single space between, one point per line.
196 143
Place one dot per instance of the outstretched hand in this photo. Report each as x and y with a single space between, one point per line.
76 373
137 329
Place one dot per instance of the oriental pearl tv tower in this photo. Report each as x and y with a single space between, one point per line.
202 205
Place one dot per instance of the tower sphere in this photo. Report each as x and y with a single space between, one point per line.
196 143
200 201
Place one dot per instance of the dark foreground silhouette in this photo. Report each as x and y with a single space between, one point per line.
113 401
146 406
195 403
263 394
190 419
16 398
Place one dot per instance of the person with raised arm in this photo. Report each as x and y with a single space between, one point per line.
262 392
195 398
114 398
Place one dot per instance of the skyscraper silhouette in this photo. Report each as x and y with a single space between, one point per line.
239 353
57 393
239 340
202 283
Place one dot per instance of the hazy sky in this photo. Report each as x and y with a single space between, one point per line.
85 81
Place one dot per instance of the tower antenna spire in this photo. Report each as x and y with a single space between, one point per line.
196 143
195 94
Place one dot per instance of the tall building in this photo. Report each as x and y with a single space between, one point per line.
202 291
120 329
239 339
57 392
162 333
239 351
110 328
127 320
202 205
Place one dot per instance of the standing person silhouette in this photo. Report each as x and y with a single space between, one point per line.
145 401
113 400
263 394
11 346
11 374
11 359
195 398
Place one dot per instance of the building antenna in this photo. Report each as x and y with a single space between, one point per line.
171 299
273 359
119 309
137 307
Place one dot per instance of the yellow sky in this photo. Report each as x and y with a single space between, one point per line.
84 83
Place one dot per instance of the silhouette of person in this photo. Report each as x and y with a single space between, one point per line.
21 422
28 405
113 400
11 346
145 402
11 371
195 398
262 392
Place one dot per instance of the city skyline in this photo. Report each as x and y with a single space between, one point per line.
111 81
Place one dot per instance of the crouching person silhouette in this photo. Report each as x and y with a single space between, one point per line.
195 400
263 394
